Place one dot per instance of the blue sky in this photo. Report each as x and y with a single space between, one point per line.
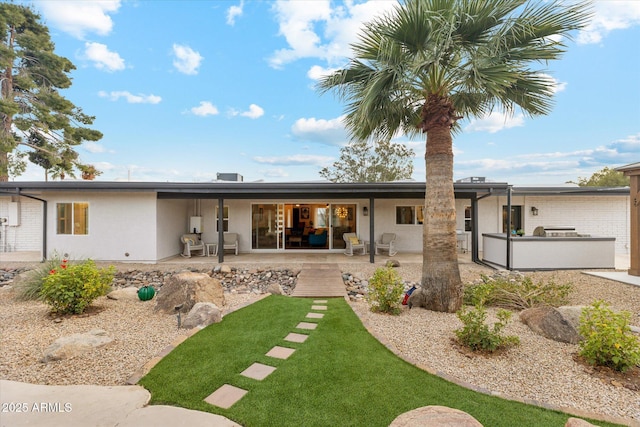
183 90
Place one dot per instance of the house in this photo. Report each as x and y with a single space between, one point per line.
143 221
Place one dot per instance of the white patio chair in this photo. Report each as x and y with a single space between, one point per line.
192 243
387 243
353 243
230 242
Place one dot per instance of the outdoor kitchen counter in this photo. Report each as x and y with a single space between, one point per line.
549 253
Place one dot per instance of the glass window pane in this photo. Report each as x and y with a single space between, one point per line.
63 220
420 215
405 214
81 218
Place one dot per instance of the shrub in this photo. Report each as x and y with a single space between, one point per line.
477 335
608 340
70 288
29 289
385 291
516 293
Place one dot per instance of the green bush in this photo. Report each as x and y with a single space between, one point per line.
608 340
385 291
70 288
477 335
516 293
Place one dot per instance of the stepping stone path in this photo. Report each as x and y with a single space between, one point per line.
227 395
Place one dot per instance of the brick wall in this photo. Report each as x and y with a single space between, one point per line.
28 235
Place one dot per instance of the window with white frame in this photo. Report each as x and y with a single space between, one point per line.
72 218
409 215
225 218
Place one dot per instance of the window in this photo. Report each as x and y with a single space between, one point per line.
225 218
72 218
467 218
409 214
516 219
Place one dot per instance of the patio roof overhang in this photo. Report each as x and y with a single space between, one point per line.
256 190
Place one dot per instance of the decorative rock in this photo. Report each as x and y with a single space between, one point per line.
275 289
435 416
550 323
577 422
225 269
126 294
187 288
393 263
202 314
76 344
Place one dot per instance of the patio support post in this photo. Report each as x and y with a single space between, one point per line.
372 238
220 220
474 230
508 263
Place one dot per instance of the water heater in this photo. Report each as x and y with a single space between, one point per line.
195 224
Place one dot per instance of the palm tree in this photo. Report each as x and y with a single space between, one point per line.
428 64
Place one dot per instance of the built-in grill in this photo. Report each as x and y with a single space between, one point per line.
557 231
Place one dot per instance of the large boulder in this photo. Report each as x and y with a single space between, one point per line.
435 416
552 323
75 345
124 294
202 314
187 288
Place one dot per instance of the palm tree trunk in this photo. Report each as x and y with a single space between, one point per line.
441 283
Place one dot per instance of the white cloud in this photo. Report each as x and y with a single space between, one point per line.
296 159
317 72
93 147
254 112
80 17
610 16
316 30
495 122
103 58
187 60
330 132
558 86
131 98
205 109
233 12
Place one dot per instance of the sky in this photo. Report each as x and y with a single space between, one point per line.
183 90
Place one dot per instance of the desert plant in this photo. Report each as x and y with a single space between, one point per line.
608 340
70 288
385 291
516 293
29 288
477 335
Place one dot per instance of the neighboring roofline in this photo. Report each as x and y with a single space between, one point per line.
299 190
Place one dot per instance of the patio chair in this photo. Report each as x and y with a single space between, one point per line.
353 243
387 243
230 242
192 243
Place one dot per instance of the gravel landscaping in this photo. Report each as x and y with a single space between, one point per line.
538 369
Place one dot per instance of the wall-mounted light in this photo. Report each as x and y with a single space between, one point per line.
365 211
534 211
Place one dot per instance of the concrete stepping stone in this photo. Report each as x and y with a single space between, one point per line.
258 371
307 325
293 337
280 352
320 301
225 396
315 315
318 307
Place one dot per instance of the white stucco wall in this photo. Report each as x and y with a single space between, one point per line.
171 217
120 223
27 236
408 236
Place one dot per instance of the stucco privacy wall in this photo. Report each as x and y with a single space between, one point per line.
28 235
120 223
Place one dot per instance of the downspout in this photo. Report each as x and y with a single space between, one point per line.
43 257
372 256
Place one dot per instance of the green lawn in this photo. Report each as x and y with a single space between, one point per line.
341 375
